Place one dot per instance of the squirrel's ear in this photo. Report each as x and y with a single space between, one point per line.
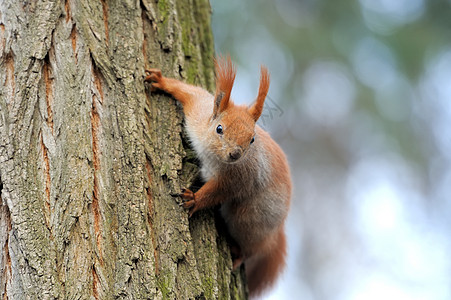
256 109
225 76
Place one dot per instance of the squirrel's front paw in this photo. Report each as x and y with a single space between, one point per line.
189 201
154 77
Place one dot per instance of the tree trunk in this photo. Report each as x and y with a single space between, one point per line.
91 160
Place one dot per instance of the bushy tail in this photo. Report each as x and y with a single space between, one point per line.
262 270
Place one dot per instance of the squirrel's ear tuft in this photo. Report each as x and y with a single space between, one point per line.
256 109
225 76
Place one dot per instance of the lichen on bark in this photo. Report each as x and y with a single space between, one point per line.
91 160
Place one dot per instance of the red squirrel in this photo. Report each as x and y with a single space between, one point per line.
244 170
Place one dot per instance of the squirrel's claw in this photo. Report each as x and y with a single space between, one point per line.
237 256
189 201
154 77
237 263
187 194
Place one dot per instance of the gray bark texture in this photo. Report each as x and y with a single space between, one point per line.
91 159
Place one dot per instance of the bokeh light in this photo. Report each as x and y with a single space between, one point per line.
362 91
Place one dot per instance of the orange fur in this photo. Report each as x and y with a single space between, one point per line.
263 269
225 76
257 108
245 171
185 93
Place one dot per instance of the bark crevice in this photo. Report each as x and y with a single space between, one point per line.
5 227
91 160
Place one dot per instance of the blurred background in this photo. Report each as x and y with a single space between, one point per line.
360 100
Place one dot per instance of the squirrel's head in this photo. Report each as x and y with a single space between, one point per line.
233 126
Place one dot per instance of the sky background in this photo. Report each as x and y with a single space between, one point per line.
360 100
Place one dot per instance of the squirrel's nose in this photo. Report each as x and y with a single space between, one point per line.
235 154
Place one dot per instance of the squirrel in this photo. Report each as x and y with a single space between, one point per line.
244 169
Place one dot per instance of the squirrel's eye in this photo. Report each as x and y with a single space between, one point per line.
253 139
219 129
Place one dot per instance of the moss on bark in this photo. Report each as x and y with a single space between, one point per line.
90 159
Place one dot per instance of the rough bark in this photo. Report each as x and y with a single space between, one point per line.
90 159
